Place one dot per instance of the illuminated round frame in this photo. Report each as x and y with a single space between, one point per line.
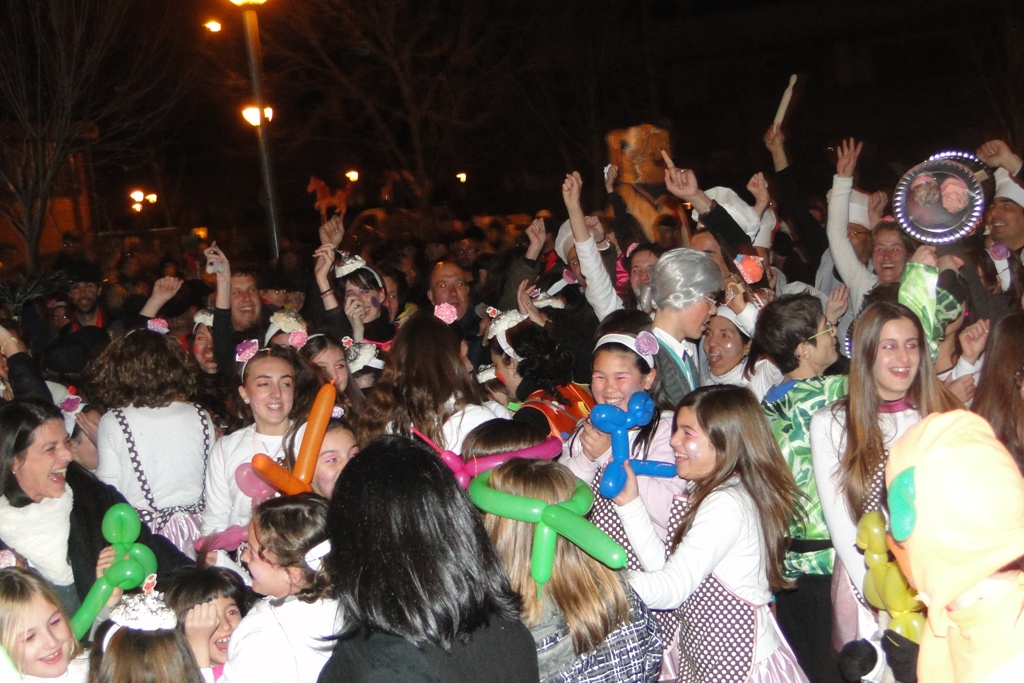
935 224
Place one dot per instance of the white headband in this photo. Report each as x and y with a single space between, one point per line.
644 344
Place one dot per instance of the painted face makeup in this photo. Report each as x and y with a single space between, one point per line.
897 359
696 458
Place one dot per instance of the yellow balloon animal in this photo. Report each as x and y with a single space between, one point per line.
885 586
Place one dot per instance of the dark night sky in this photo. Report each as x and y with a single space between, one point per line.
910 77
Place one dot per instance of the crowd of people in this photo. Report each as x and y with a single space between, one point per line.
807 371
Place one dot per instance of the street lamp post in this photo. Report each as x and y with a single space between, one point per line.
252 43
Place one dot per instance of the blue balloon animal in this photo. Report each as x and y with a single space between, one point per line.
617 422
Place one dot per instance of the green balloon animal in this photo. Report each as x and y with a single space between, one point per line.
121 528
885 586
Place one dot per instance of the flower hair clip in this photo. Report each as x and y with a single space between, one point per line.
158 325
291 324
347 342
203 317
569 277
647 344
492 312
70 404
446 313
245 351
337 412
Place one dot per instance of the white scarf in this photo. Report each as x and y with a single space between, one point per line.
39 532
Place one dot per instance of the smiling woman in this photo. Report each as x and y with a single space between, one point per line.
51 508
892 387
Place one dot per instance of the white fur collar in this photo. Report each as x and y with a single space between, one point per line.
39 533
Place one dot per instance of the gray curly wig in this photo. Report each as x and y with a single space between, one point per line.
680 278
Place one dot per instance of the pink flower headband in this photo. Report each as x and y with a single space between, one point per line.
245 352
644 344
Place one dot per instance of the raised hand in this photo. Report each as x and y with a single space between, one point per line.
332 231
681 182
849 150
535 233
998 154
775 139
837 303
571 190
324 259
972 340
877 201
526 305
758 186
610 177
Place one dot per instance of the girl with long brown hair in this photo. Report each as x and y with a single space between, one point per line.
426 384
728 542
585 608
892 387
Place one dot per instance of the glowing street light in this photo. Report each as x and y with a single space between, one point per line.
461 177
212 26
139 196
252 115
353 176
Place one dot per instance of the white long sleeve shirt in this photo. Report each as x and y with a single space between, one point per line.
284 641
600 290
226 504
855 274
828 442
724 540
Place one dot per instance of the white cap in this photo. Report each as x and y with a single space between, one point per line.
1007 187
740 211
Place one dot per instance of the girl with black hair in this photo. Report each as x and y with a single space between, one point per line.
537 371
422 593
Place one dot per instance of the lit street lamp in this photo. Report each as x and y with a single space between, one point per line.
352 175
138 197
252 44
212 26
252 115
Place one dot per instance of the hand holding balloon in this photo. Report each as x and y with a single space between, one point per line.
133 563
615 421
